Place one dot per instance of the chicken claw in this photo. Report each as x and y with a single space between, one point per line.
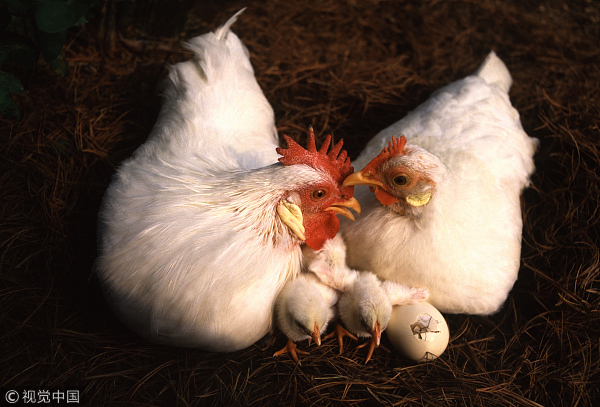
372 345
290 348
340 332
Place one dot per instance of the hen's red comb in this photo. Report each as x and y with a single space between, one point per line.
394 148
336 162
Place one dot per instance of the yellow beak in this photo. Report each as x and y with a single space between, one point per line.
342 208
377 333
361 178
316 335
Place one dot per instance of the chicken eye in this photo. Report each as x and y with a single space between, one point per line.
319 194
400 180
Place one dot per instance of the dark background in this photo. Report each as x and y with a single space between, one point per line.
350 68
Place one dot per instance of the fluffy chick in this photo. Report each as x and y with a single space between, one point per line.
365 303
303 309
365 309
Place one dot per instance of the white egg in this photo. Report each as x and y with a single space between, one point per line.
418 331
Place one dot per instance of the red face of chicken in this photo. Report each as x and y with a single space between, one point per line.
397 176
310 211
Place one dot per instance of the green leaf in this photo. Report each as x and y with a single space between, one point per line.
18 51
9 84
17 7
51 44
53 16
5 18
60 65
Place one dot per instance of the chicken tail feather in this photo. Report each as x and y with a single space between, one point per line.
494 72
221 32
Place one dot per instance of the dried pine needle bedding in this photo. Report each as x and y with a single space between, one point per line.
349 69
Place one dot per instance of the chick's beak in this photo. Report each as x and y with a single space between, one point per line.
377 333
374 342
342 208
316 335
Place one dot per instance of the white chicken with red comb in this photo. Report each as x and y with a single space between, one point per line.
445 210
201 228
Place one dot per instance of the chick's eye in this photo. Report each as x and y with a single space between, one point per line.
319 194
400 180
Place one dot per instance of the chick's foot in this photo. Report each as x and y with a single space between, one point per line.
340 332
290 348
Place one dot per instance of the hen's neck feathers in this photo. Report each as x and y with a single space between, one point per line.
238 199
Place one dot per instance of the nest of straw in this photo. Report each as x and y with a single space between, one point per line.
350 68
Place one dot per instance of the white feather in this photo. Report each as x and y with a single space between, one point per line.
465 247
167 246
214 107
363 304
364 299
188 229
329 264
304 303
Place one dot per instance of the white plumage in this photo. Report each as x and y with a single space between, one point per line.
365 303
303 310
365 309
452 222
329 264
368 300
194 244
214 109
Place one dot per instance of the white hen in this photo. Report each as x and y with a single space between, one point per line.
446 211
196 235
